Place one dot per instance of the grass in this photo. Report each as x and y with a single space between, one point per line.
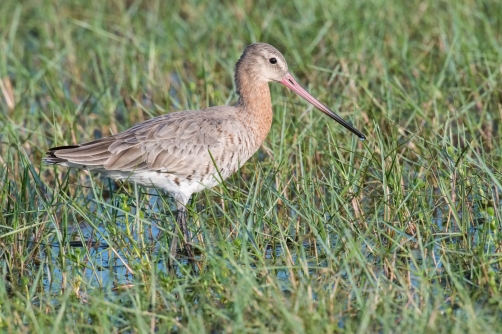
319 232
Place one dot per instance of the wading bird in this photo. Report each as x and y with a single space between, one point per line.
187 151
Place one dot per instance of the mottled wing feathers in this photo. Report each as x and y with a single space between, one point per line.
174 143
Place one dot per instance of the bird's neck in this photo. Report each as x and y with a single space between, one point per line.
256 106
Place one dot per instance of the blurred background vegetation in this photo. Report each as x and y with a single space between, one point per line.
318 232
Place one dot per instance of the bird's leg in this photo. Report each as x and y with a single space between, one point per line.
181 224
181 220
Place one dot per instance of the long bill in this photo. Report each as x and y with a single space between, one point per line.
291 83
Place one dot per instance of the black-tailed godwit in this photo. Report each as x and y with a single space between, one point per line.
187 151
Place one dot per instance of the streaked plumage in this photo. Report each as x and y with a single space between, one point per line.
171 151
175 152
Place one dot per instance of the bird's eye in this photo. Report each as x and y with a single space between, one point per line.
272 61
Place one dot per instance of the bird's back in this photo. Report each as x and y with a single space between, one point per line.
195 147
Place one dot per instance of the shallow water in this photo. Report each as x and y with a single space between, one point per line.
89 259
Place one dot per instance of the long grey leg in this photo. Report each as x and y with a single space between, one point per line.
181 219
